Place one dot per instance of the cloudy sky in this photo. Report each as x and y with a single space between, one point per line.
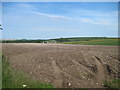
43 20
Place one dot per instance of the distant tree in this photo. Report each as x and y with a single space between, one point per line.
1 27
63 40
87 40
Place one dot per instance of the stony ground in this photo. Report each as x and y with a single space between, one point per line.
65 66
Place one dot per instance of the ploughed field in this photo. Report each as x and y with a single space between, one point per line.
65 66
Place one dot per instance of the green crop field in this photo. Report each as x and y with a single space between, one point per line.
72 40
97 42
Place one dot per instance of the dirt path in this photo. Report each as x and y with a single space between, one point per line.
58 77
100 74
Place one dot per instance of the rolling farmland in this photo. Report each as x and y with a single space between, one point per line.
112 42
64 65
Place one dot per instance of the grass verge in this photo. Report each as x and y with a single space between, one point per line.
112 84
18 79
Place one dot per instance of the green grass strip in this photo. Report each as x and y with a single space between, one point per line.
18 79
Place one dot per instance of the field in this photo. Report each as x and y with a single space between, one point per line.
114 42
72 40
64 65
12 78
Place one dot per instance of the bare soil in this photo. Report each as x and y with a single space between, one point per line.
65 66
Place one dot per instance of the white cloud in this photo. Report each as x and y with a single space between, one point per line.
79 15
96 20
52 15
93 13
82 15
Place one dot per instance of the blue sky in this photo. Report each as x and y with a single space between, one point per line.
44 20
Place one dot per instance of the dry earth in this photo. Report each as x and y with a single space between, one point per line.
65 66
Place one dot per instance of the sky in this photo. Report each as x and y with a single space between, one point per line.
46 20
